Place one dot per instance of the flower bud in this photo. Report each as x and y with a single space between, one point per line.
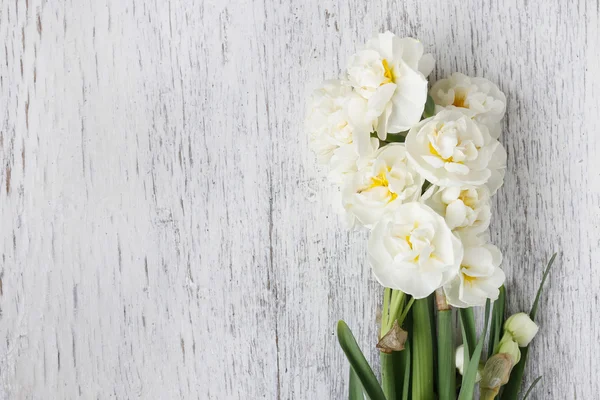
522 328
508 346
459 360
495 374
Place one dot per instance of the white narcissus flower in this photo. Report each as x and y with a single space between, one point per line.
522 328
466 210
497 167
479 277
478 97
390 72
337 117
413 250
327 120
381 184
451 150
345 160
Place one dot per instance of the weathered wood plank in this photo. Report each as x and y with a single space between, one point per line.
165 232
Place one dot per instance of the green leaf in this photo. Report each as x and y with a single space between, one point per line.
396 137
539 292
429 107
446 366
497 321
355 388
467 320
466 350
513 387
359 362
531 387
422 360
469 379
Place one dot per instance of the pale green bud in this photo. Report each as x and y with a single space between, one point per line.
508 346
522 328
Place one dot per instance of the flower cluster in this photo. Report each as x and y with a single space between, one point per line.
416 166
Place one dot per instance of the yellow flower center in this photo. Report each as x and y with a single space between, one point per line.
460 98
433 151
381 180
387 72
469 280
467 200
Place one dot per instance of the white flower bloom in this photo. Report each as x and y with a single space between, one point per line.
480 276
497 167
381 184
345 160
466 210
390 72
413 250
522 328
459 360
478 97
451 150
337 117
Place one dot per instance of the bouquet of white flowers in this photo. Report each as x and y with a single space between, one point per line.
418 166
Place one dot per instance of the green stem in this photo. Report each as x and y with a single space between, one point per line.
445 347
405 367
406 310
433 339
395 306
497 321
387 365
388 378
385 314
422 360
392 304
405 359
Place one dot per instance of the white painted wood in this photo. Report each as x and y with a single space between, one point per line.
164 230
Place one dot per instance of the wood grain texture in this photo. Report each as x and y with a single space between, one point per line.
164 229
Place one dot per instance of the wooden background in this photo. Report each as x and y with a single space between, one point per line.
165 232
